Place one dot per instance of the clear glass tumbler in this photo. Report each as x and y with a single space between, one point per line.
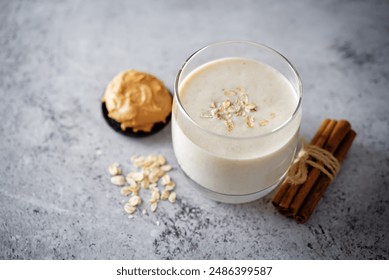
206 156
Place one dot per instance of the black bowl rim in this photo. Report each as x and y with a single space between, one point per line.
129 132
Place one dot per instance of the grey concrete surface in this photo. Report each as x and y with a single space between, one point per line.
56 58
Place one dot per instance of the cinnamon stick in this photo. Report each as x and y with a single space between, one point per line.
289 196
338 134
321 185
285 185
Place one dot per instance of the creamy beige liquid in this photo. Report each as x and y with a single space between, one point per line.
245 160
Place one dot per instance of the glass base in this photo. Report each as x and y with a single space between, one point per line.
233 198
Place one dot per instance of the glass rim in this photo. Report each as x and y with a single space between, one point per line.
289 64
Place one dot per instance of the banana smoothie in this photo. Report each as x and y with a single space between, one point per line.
235 127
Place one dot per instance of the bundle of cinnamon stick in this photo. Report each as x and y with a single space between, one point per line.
299 201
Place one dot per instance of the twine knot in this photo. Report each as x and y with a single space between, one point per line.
325 162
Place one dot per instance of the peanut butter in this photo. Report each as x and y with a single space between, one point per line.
137 100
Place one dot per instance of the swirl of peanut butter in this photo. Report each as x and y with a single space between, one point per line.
137 100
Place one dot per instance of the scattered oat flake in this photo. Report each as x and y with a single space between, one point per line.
135 200
165 195
126 191
229 125
272 115
166 167
153 176
130 175
263 122
151 170
160 173
137 176
172 197
229 93
170 186
165 179
130 180
129 208
161 159
139 162
153 179
250 121
118 180
114 169
236 105
251 106
134 189
226 104
155 195
153 206
244 98
145 183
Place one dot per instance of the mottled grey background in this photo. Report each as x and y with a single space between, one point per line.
56 58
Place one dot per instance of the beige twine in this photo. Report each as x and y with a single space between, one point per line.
326 163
